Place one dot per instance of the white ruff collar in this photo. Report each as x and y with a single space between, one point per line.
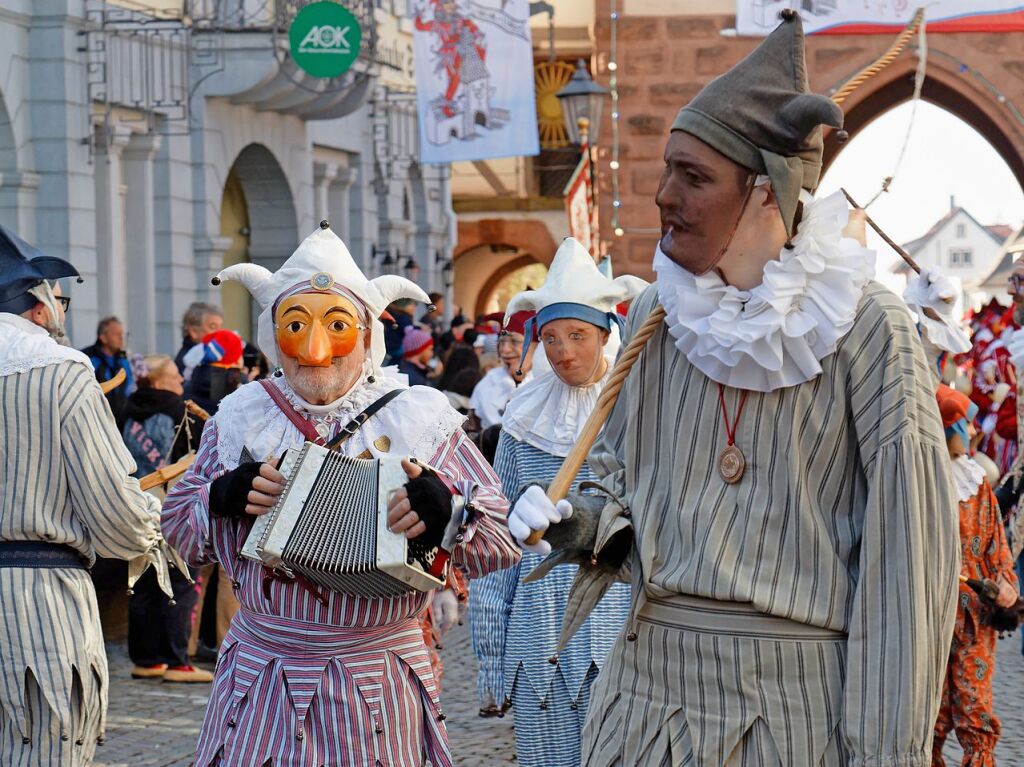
27 346
967 476
775 335
549 414
415 423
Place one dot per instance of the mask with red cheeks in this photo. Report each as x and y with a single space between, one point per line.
314 328
575 350
701 196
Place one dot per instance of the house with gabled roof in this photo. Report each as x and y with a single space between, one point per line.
963 249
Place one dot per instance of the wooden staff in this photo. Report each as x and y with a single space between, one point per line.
560 485
108 386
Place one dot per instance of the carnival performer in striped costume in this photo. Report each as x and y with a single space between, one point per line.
516 624
66 495
790 521
308 678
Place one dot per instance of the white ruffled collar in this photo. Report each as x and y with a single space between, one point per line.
967 476
415 423
549 414
775 335
27 346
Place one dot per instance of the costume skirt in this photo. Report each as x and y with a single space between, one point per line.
296 694
697 683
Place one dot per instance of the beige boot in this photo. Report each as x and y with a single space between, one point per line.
187 674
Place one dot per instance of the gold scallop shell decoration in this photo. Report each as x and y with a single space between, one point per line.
382 443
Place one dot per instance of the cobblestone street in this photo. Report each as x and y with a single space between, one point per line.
151 724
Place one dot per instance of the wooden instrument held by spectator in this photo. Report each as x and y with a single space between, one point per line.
560 485
173 471
108 386
330 527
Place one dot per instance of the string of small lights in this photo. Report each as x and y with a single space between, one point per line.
613 82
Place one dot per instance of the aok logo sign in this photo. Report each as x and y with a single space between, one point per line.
326 40
325 28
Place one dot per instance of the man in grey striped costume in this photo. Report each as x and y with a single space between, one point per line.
791 530
66 494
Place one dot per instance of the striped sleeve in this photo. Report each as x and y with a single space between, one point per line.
492 596
123 521
186 514
486 542
902 612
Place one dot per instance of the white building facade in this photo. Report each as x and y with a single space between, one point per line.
962 249
153 143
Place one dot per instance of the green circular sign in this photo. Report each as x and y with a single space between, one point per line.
325 39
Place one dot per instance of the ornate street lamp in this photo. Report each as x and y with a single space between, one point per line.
582 99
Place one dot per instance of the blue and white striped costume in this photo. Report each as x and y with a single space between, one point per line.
516 628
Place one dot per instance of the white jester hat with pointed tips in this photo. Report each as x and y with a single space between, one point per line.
321 264
575 288
546 412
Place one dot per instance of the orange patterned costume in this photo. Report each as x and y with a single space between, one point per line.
967 694
431 631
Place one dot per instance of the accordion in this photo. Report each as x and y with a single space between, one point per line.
330 526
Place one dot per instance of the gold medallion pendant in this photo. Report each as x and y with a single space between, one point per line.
731 464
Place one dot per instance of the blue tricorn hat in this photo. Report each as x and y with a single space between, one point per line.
22 267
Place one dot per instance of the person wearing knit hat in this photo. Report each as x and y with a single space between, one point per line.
213 368
67 495
514 623
290 656
417 351
777 481
967 691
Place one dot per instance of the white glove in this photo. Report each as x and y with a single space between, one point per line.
533 511
933 290
938 291
1015 345
445 605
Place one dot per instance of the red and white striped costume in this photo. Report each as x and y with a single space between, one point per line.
347 683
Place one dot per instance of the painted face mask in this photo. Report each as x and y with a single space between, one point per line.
314 328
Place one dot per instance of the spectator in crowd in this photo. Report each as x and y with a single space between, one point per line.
156 434
418 361
108 357
199 321
216 366
433 320
460 357
394 333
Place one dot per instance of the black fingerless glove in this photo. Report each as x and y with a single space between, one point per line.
430 498
229 493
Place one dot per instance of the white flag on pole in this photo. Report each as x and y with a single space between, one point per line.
474 79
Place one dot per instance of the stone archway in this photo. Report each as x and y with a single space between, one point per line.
258 220
664 59
489 250
943 88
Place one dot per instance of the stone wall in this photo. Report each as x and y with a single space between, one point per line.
663 61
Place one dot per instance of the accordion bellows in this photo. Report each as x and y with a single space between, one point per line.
330 525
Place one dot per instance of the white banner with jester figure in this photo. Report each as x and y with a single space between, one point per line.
474 79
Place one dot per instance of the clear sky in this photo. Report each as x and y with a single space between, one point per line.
946 156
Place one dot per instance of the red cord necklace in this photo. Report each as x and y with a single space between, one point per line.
731 462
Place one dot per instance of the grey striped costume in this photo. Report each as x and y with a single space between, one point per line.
64 478
803 616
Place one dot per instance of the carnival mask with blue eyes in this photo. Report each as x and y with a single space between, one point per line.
314 328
